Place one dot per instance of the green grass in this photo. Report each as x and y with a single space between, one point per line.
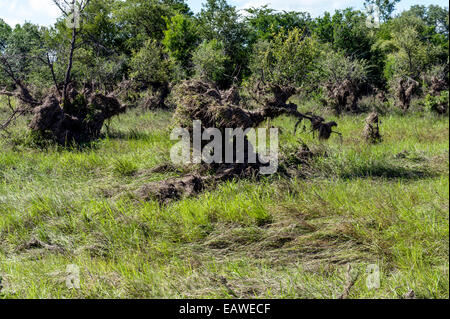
358 204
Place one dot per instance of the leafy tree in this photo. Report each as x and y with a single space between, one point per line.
410 58
180 39
101 32
264 22
144 19
347 31
386 7
149 65
433 16
5 32
210 61
432 24
287 61
21 57
411 48
221 21
151 69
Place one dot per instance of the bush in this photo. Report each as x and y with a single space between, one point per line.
180 39
342 79
437 104
287 60
209 61
149 65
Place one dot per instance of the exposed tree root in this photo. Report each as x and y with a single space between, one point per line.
405 90
343 95
197 100
372 130
202 101
79 120
192 184
174 188
438 85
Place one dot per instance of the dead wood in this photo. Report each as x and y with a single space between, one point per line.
405 89
197 100
372 130
343 95
80 119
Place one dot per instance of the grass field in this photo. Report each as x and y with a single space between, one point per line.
357 204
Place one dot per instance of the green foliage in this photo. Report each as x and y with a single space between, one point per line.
149 65
264 22
222 22
433 16
386 7
437 104
181 38
23 55
5 32
346 31
142 19
210 61
411 46
410 58
100 31
287 60
335 67
114 31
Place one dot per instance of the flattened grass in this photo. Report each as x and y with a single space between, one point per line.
383 204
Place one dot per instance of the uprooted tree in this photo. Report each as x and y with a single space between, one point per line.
280 67
62 113
343 79
406 87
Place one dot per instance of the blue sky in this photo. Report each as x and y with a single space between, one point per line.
44 12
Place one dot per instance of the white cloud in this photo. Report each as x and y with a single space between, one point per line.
43 12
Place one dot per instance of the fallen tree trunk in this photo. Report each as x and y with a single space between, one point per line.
197 100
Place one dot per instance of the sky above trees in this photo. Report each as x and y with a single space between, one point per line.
44 12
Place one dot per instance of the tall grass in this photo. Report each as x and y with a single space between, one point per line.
277 237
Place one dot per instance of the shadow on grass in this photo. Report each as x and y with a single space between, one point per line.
386 170
127 135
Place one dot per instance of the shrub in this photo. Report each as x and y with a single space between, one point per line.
437 104
372 103
287 61
149 65
342 80
209 61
